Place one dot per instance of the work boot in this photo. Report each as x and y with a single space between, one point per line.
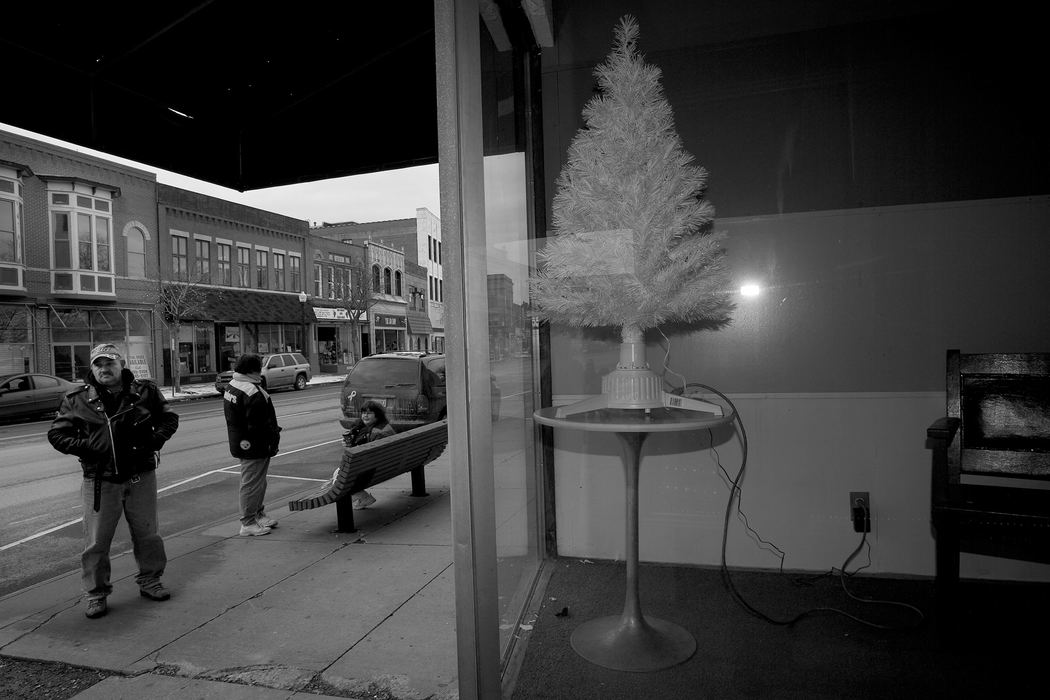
154 590
96 607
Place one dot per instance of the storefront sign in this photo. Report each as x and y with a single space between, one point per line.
390 321
327 314
138 366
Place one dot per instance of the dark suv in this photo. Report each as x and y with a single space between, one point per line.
409 385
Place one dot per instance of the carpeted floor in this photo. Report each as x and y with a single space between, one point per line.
824 654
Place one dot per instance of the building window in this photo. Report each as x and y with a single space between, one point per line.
244 267
295 274
81 238
222 255
375 278
136 245
180 266
203 260
387 286
342 283
331 282
278 271
262 269
11 260
441 290
318 281
397 283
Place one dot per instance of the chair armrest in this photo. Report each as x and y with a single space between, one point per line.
943 429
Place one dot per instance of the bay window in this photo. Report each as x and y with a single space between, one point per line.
81 238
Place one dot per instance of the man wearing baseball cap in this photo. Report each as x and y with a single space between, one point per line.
116 424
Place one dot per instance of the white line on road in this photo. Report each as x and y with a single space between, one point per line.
48 531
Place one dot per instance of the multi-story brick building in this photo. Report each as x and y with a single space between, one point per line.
250 265
88 248
341 296
78 259
420 241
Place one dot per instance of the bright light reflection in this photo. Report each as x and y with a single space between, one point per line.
750 290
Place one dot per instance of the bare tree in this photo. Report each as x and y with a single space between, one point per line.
359 299
179 301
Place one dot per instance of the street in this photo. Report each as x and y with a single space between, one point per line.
40 503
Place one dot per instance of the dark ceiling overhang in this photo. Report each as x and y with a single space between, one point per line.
236 93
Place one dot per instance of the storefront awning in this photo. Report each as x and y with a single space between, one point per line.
419 323
234 305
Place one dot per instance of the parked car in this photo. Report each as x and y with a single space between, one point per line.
280 370
409 385
32 394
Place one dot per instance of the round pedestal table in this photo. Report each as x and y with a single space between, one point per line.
632 641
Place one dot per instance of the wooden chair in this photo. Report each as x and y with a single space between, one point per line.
995 435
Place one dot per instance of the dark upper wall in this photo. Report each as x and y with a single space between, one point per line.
805 106
886 181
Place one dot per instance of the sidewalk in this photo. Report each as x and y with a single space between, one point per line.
298 613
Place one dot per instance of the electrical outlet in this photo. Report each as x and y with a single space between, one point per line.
860 511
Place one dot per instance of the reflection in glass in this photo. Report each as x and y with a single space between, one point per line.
507 229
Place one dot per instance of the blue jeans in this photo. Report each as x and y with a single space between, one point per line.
253 488
137 500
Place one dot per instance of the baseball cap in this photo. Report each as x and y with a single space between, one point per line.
107 350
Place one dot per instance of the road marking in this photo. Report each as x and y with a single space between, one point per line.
40 534
48 531
22 437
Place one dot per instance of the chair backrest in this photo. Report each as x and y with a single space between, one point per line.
1002 401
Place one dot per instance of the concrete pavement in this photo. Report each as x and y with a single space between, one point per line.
301 611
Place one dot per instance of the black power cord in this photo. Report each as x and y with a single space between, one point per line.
735 494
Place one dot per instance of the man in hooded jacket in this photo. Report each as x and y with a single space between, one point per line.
251 423
116 424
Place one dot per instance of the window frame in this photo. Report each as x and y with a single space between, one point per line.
262 268
12 271
224 263
83 262
244 266
202 258
180 256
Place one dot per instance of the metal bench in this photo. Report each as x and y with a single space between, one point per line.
994 438
375 462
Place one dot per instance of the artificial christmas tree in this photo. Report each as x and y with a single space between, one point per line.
634 246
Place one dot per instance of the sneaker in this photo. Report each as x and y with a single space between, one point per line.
254 530
362 499
96 607
154 591
265 521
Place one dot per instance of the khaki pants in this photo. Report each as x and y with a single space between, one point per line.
253 488
137 501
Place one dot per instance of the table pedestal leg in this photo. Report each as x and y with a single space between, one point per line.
630 641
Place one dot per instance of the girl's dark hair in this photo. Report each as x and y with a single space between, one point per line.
376 409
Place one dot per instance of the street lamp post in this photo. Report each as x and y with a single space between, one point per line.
302 323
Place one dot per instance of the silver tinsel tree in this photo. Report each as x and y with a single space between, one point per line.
633 244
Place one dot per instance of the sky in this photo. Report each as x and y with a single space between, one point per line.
383 196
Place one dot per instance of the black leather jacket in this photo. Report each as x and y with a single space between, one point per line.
118 444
